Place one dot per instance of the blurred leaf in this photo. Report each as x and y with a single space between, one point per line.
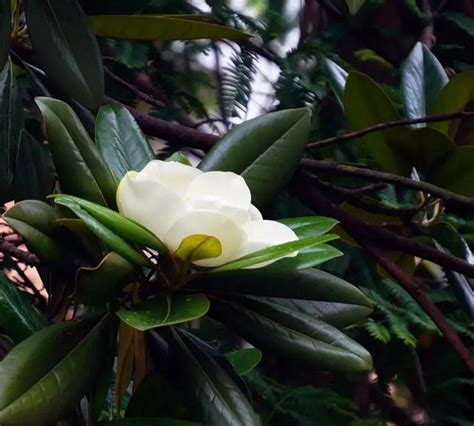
462 21
366 105
138 421
5 30
308 284
165 310
198 247
81 169
210 388
44 376
99 285
274 252
291 334
244 360
456 173
265 151
114 241
164 28
179 157
18 317
117 223
11 117
121 142
354 5
422 79
58 29
337 78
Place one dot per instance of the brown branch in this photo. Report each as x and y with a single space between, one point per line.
388 125
427 36
12 250
373 234
410 285
452 200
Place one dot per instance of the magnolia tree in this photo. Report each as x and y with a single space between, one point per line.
160 285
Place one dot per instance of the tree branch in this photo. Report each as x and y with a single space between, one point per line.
11 250
388 125
452 200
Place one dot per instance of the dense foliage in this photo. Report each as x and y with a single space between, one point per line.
351 123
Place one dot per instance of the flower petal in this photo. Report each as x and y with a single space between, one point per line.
266 233
149 203
255 213
227 187
211 223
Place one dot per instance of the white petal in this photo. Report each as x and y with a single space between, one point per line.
149 203
255 213
173 175
211 223
237 214
266 233
227 187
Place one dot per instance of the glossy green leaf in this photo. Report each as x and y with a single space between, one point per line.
179 157
165 28
33 178
274 252
114 241
11 117
18 318
5 29
422 79
150 422
198 247
265 151
58 29
99 285
354 5
452 98
117 223
310 226
337 78
80 168
244 360
46 375
216 396
309 284
121 141
292 334
165 310
339 315
365 105
456 173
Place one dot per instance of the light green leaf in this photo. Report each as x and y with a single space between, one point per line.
198 247
265 151
165 310
165 28
47 374
244 360
58 29
273 252
179 157
354 5
121 141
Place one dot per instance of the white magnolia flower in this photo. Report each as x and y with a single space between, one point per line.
175 201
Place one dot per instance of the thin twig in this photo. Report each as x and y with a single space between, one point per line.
452 200
12 250
388 125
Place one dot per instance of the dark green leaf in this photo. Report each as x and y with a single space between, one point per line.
58 29
46 375
275 252
5 29
422 79
291 334
17 317
11 117
265 151
81 169
150 422
219 399
149 27
244 360
121 141
165 310
99 285
463 21
310 226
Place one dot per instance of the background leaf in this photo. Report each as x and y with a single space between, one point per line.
5 29
244 360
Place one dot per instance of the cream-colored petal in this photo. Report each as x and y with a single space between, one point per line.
212 223
266 233
237 214
227 187
149 203
171 174
255 213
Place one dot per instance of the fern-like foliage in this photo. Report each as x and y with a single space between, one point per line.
237 83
